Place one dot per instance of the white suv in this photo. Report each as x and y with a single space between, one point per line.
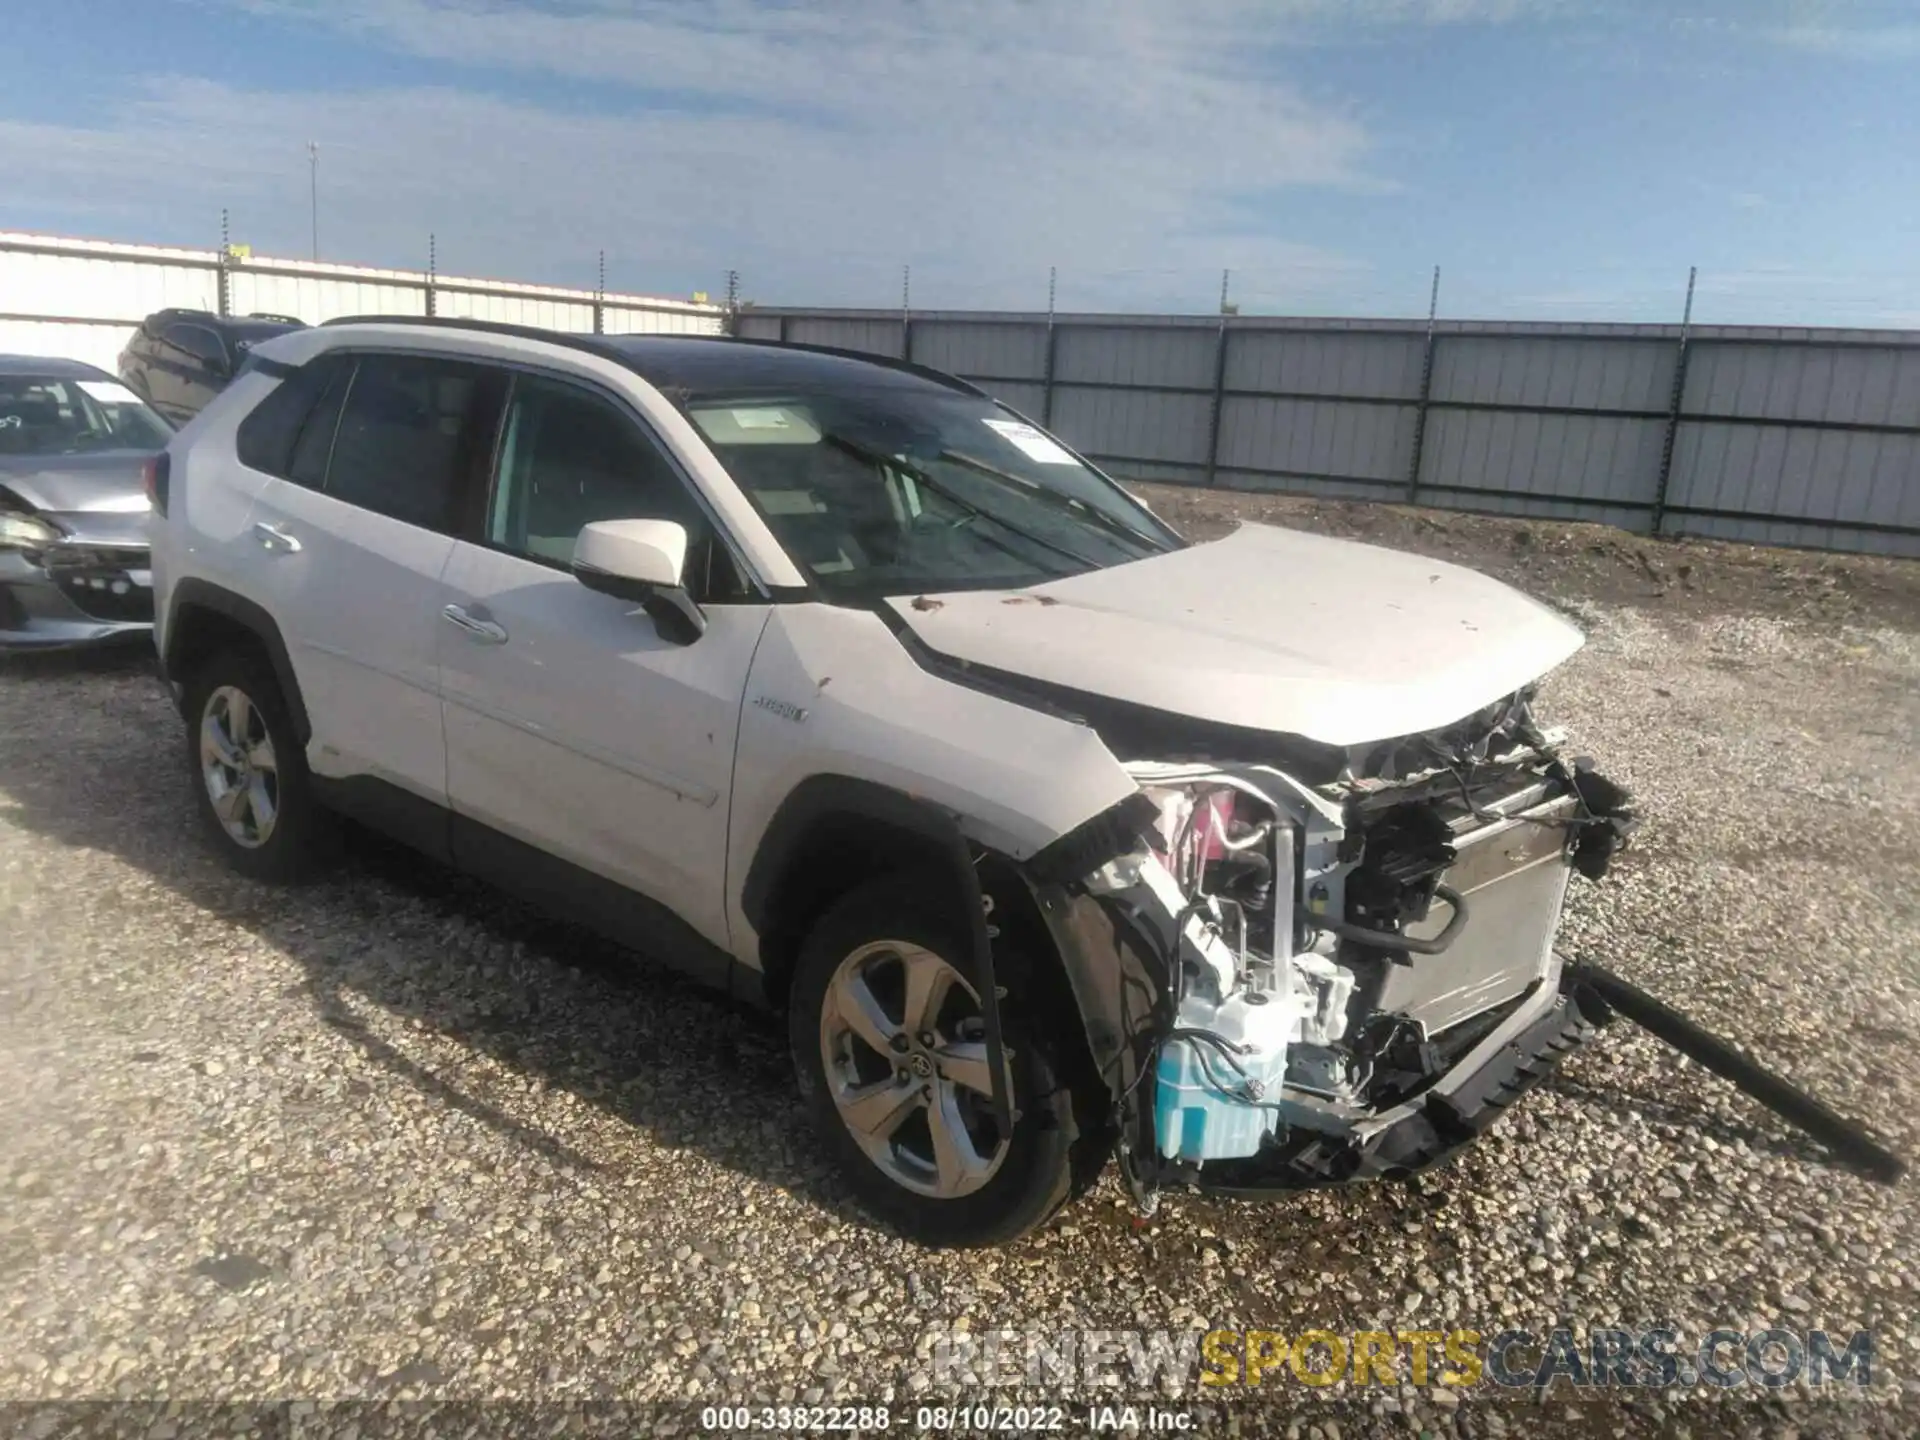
831 680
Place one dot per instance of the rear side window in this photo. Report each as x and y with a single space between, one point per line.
415 438
313 444
289 421
197 341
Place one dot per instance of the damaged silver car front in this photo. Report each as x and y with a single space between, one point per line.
1298 982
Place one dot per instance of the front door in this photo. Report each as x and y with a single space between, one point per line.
571 723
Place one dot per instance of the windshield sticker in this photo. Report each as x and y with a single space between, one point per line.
1033 444
109 392
757 425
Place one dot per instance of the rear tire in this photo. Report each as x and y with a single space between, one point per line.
249 770
884 1088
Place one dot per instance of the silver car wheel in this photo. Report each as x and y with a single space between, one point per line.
903 1044
238 766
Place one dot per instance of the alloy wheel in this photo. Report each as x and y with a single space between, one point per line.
239 768
903 1042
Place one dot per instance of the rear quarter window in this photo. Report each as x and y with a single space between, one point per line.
290 431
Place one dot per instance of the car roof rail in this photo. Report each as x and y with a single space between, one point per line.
597 344
593 344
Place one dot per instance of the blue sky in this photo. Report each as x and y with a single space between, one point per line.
1556 158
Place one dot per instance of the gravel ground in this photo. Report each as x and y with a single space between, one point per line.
389 1136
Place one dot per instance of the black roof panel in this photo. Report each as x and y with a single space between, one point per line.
716 364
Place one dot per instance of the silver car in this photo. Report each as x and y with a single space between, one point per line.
74 448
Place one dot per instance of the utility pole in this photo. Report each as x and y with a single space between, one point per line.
1225 276
313 192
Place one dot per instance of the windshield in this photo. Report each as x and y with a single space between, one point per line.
896 490
41 415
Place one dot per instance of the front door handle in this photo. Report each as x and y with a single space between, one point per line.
273 536
483 630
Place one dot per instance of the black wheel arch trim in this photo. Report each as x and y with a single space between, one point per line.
192 594
820 797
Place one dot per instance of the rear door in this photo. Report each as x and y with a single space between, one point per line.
572 724
350 543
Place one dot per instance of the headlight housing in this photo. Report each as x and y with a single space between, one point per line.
19 531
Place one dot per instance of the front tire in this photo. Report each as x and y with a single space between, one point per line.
249 771
889 1045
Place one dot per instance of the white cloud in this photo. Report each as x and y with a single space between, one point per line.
1852 42
817 145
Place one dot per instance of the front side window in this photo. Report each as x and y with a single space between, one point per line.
569 457
44 415
413 437
890 489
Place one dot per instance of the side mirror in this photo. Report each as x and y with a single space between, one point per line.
642 561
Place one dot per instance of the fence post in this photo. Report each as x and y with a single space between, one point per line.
1046 374
906 312
223 287
732 322
433 270
1219 383
1426 391
1673 408
600 298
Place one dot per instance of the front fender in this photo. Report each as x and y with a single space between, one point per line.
832 691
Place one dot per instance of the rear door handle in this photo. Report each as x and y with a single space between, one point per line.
274 537
483 630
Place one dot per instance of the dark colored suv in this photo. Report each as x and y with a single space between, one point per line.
178 360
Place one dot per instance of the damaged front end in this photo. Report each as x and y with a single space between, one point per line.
1296 982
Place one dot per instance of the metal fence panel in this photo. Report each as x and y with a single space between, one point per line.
314 298
752 325
1849 385
1028 397
1583 373
1318 437
575 316
1589 458
1841 478
1146 357
83 298
1786 436
1136 424
1310 362
877 337
982 349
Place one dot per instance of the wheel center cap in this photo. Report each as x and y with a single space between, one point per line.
921 1066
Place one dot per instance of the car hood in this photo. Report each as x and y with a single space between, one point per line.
104 482
1267 629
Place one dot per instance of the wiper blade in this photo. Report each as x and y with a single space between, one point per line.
1078 508
974 512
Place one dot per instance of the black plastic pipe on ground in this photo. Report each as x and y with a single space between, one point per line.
1847 1140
